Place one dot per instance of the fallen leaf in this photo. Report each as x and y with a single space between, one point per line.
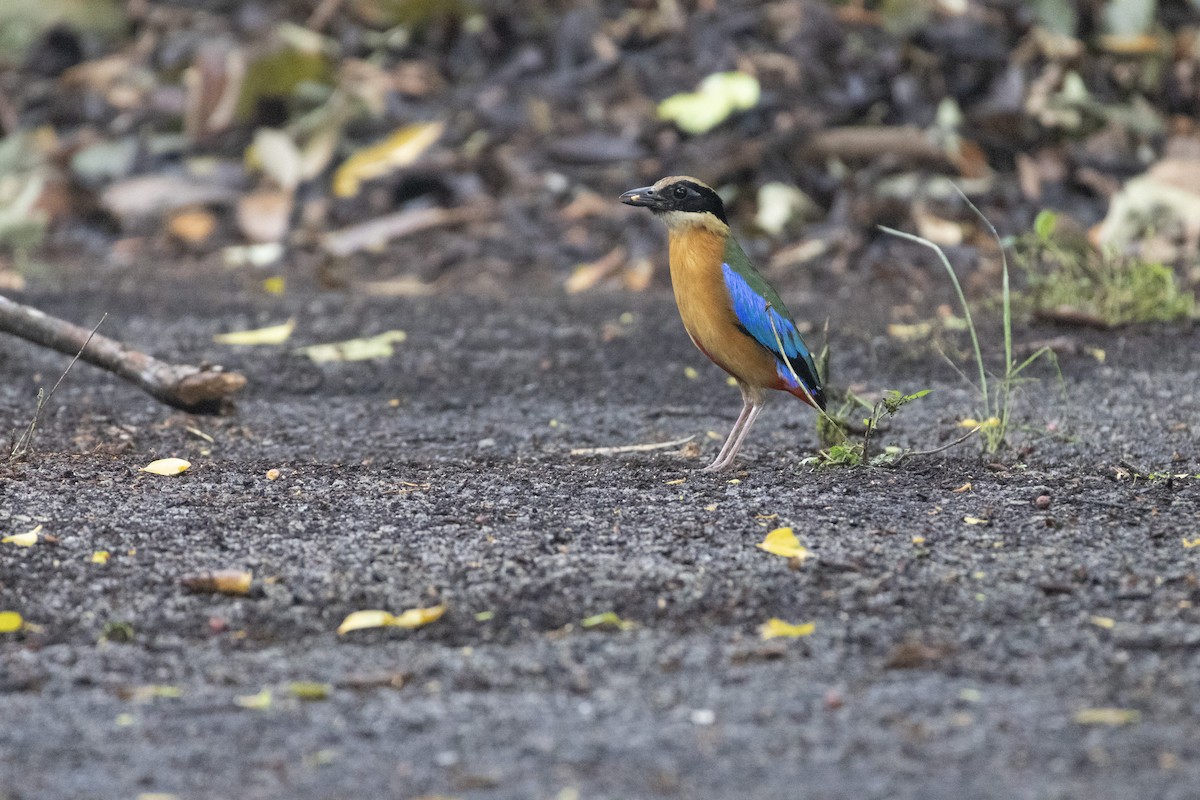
265 216
400 149
11 622
585 276
252 255
778 204
1188 544
1108 623
221 581
310 690
715 99
361 620
274 285
255 702
608 619
199 434
776 628
975 520
100 557
912 654
374 234
910 332
418 617
966 487
137 198
676 482
1107 716
27 539
277 155
378 346
273 334
412 618
783 542
192 226
167 466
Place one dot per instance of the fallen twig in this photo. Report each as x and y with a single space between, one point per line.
630 448
200 390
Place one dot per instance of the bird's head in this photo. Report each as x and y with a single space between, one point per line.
681 202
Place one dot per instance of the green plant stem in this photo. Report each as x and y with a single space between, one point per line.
962 299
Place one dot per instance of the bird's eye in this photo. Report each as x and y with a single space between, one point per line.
680 192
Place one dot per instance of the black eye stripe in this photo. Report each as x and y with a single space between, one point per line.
689 196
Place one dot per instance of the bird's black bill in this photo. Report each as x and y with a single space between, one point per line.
644 197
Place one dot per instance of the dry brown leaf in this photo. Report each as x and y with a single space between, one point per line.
265 216
192 225
221 581
586 276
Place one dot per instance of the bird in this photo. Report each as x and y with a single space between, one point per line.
730 311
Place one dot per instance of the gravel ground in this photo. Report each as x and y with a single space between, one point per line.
948 660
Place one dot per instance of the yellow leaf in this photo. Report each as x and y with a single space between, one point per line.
273 334
715 99
691 373
378 346
918 540
608 619
1096 353
1108 623
27 539
167 466
309 690
1188 544
782 542
776 628
975 520
400 149
274 285
1107 716
676 482
256 702
412 618
360 620
100 557
11 622
910 332
416 617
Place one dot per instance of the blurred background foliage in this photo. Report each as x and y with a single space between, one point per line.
412 146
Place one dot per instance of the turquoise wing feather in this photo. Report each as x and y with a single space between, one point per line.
757 305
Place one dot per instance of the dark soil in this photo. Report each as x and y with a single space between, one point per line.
947 666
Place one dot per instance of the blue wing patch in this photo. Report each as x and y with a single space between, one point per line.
755 318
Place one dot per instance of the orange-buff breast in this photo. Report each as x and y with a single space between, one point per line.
698 279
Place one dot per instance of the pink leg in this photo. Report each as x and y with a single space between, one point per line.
752 404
